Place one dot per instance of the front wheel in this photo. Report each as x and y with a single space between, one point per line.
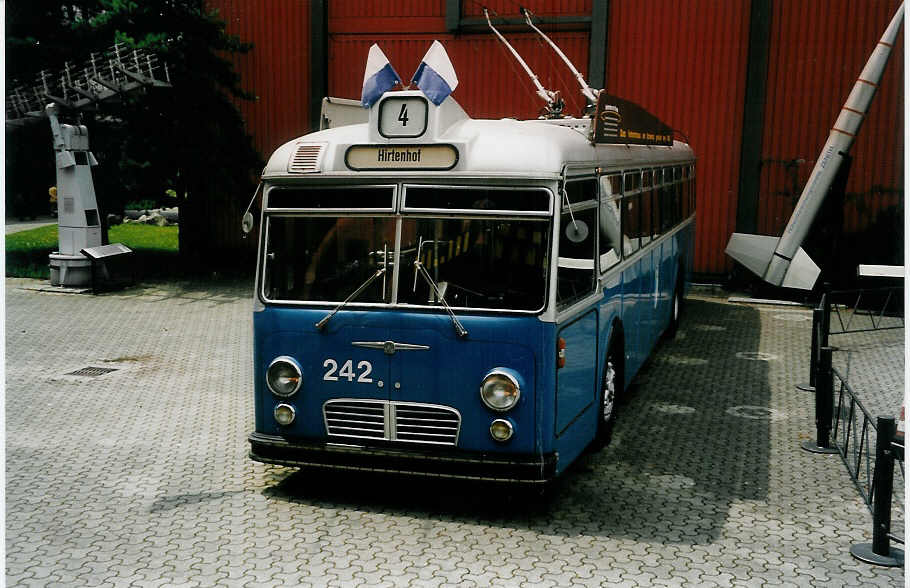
675 311
609 394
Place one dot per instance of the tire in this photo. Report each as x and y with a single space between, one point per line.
610 392
675 311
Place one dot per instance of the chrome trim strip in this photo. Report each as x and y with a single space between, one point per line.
390 347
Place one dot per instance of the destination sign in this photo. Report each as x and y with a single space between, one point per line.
382 157
620 121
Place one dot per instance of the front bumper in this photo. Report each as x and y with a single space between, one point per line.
527 469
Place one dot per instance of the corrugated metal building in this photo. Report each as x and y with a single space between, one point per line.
754 85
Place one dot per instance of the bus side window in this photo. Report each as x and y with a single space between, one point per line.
681 204
609 221
647 208
668 212
575 276
631 225
692 200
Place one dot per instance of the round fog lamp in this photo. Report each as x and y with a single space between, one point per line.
501 430
284 414
499 391
284 377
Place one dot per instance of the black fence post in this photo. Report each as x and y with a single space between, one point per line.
824 404
817 314
880 552
826 316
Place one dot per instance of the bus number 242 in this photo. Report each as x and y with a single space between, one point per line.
347 371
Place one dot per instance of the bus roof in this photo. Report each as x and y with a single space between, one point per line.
449 142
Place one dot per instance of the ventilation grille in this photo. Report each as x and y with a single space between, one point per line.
405 422
306 159
611 122
355 418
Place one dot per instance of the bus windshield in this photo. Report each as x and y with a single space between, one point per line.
477 263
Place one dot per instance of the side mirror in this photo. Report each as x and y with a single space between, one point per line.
249 221
247 224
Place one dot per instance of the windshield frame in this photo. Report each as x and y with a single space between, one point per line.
400 213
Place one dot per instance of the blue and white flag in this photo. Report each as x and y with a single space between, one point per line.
436 77
379 77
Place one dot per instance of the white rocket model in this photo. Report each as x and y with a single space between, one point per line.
781 261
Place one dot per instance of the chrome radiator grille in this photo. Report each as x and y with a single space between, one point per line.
406 422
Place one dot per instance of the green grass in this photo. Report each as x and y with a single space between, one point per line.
155 248
40 238
145 237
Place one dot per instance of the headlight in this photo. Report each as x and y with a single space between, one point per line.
501 430
284 377
499 391
284 414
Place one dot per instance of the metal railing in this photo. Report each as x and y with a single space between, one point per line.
854 311
881 307
856 437
868 447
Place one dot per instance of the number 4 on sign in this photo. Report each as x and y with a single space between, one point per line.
403 115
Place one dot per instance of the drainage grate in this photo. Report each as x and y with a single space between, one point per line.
92 372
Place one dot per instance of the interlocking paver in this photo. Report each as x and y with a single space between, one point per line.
141 477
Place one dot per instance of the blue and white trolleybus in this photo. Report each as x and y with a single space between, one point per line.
467 298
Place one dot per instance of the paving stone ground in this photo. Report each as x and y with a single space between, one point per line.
140 477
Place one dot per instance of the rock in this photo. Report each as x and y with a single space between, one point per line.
156 219
171 214
114 219
132 214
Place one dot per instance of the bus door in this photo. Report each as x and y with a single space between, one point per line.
576 381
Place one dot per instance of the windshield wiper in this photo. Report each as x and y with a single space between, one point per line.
459 328
381 271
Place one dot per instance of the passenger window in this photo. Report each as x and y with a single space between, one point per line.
610 186
647 213
631 225
575 276
610 222
668 212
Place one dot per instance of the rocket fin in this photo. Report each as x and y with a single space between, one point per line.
802 272
753 251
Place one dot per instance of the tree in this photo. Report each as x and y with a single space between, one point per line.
188 138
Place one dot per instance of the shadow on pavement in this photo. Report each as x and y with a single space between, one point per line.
692 438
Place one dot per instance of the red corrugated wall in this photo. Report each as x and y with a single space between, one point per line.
685 61
510 8
818 49
401 16
277 70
